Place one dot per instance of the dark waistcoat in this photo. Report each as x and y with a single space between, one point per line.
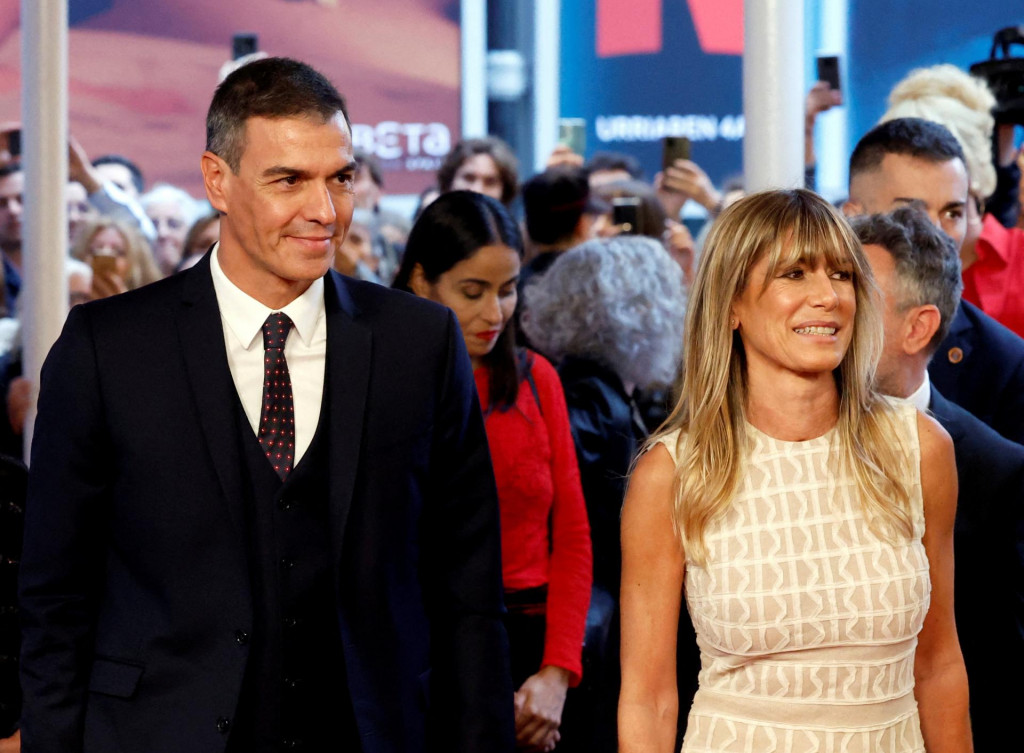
294 695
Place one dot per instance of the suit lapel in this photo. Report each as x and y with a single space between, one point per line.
347 380
201 338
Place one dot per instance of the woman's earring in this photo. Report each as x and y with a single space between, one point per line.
733 323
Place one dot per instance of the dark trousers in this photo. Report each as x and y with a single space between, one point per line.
526 624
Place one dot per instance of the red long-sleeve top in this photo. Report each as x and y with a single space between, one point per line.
995 281
545 537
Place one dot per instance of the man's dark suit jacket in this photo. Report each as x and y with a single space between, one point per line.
980 367
989 572
13 483
134 582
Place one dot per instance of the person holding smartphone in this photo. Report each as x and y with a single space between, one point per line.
682 180
119 257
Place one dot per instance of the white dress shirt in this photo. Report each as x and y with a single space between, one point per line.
922 396
305 350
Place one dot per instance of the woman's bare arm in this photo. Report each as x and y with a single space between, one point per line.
652 584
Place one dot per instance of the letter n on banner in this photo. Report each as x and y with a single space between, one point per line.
628 27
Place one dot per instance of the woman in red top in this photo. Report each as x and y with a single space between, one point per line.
465 252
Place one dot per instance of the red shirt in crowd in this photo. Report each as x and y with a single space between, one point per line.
545 537
995 281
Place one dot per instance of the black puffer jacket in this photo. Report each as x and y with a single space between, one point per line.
607 430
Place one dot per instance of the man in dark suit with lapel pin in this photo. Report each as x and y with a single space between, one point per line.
979 365
918 271
263 516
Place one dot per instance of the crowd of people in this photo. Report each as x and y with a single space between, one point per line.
730 471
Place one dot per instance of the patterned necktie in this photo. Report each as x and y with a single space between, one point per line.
277 417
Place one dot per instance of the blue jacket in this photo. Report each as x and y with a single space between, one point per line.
980 367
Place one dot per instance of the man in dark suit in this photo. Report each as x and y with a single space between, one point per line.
979 365
262 513
918 271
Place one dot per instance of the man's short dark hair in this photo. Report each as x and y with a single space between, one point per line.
910 137
494 148
553 202
116 159
615 161
926 262
365 159
268 88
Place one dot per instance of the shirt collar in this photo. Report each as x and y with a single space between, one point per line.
244 315
922 396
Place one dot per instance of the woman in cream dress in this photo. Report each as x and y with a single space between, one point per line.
806 519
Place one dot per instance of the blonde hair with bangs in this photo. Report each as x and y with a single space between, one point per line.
711 415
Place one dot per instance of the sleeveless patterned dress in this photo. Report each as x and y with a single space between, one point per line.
806 621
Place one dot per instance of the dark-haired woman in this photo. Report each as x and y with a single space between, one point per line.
465 252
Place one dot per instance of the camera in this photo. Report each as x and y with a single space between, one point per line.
1005 76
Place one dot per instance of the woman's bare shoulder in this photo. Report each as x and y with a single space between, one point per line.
648 504
936 444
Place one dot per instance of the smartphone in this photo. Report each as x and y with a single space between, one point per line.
828 70
14 142
244 43
103 264
673 148
572 132
626 215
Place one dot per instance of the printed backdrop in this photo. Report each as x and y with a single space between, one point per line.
638 70
142 73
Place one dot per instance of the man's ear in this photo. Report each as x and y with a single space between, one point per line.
216 176
852 208
921 324
418 281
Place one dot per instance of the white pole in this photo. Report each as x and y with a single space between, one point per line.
473 24
546 66
42 305
773 94
831 138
